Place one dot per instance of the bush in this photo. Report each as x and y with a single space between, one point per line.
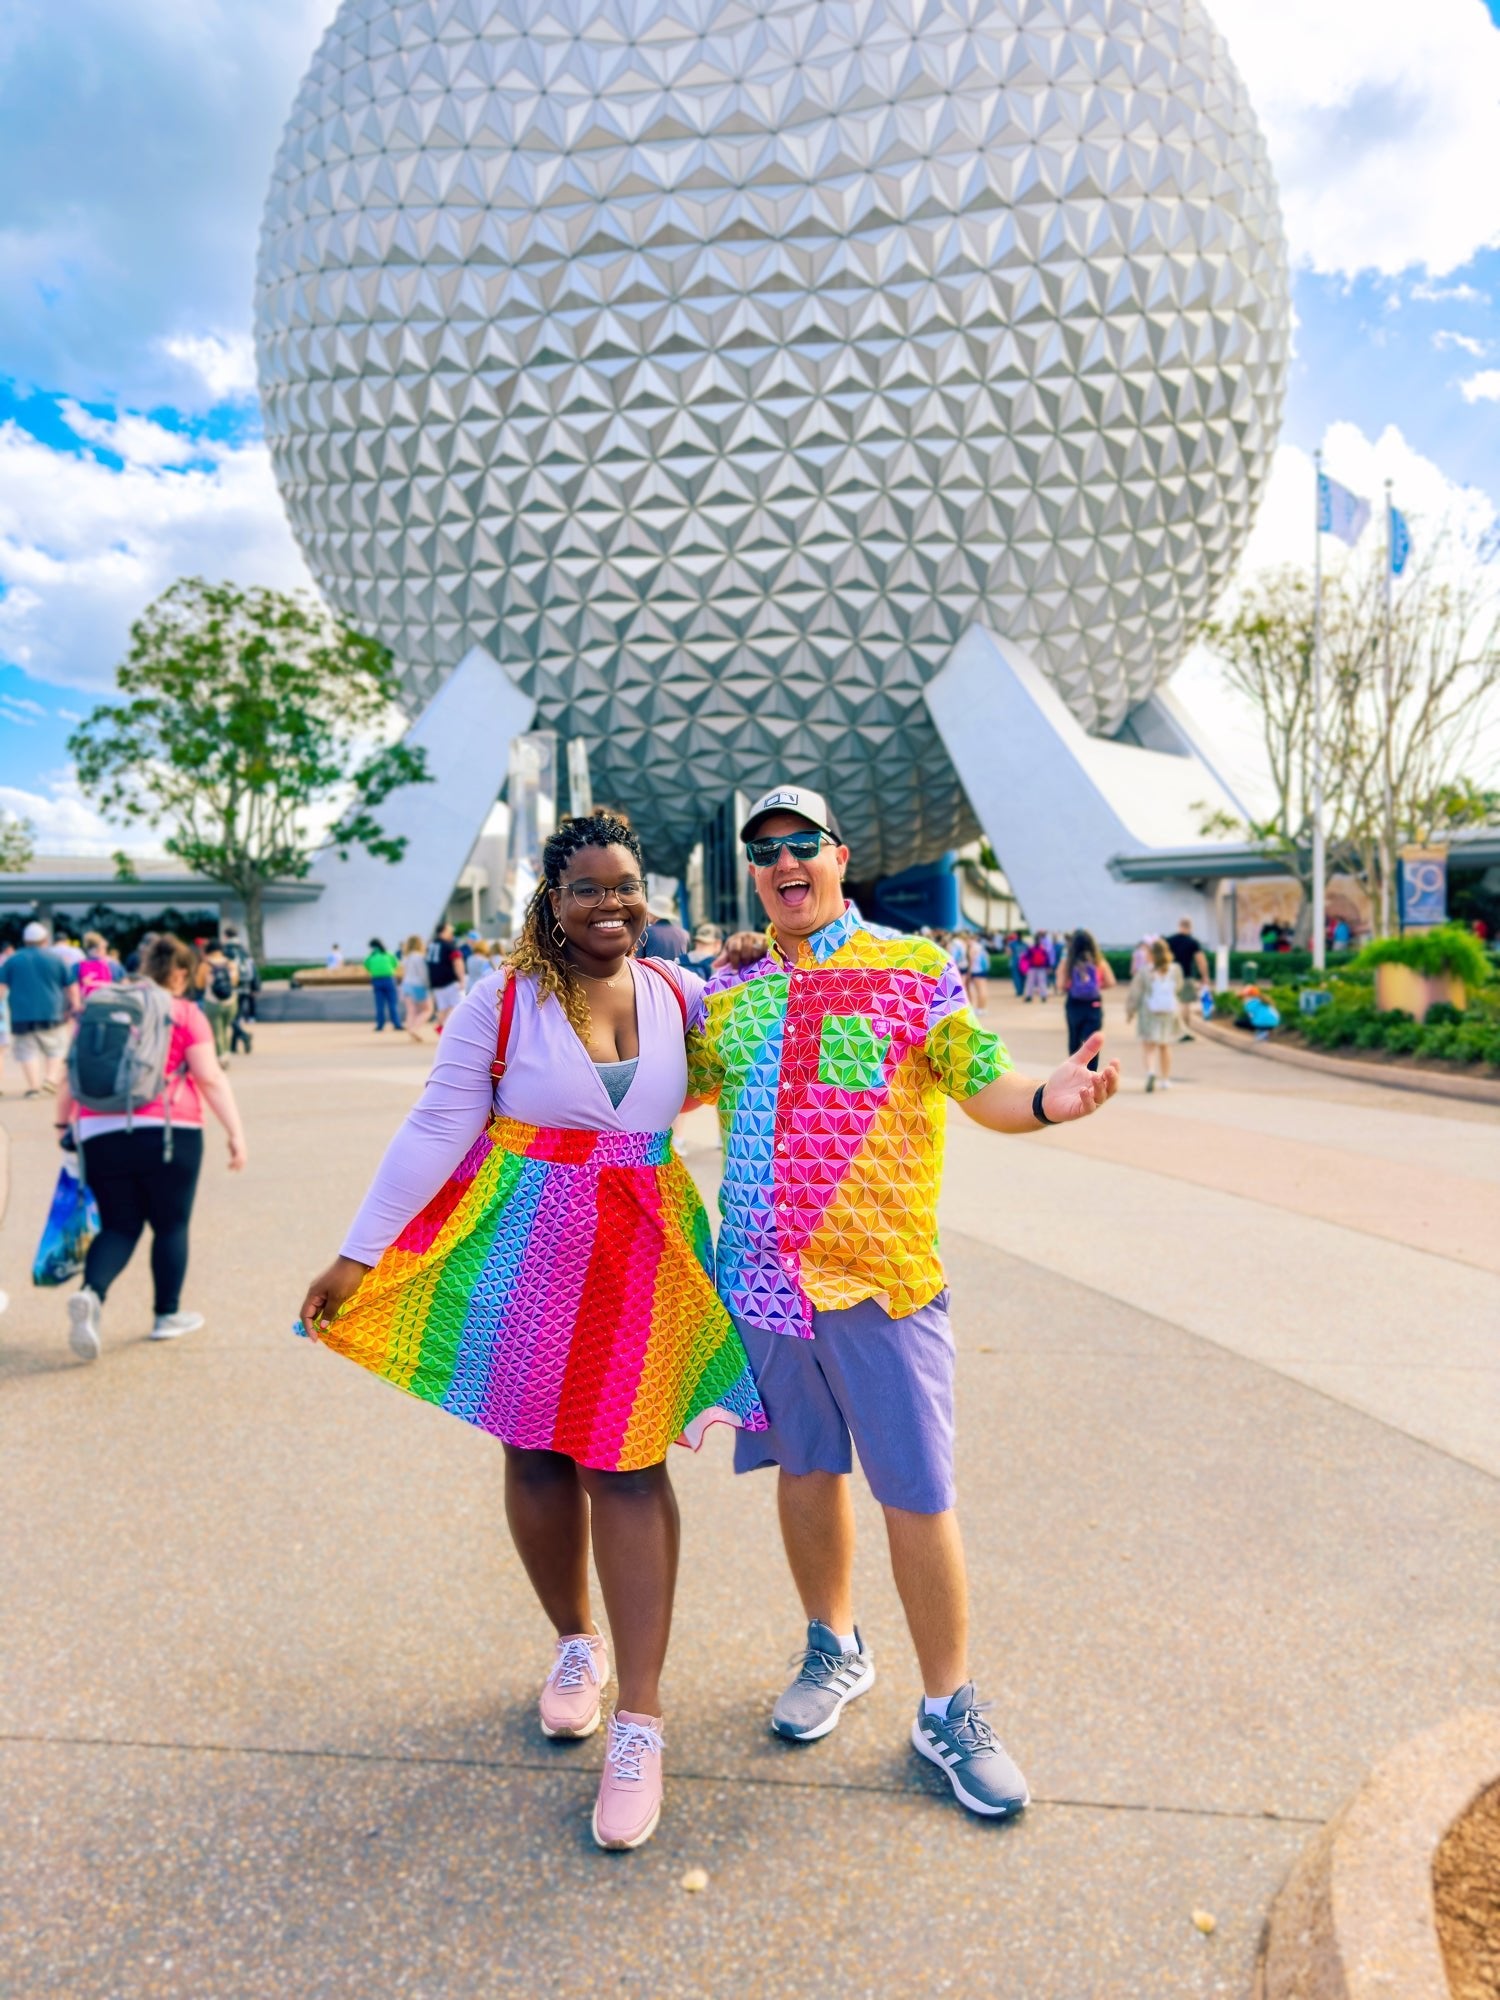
1446 949
1443 1014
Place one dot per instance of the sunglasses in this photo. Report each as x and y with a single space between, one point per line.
801 847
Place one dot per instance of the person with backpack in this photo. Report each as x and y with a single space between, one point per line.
217 981
247 985
141 1069
96 967
534 1257
1152 1004
1083 979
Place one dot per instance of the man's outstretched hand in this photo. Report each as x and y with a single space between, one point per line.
1074 1090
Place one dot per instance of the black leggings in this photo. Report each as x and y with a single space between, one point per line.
1084 1018
134 1185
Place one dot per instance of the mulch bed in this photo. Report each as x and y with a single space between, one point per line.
1466 1886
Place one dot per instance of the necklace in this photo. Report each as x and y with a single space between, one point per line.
606 979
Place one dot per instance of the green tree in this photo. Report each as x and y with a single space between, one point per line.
243 714
17 842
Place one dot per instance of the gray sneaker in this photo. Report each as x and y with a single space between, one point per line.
829 1677
963 1744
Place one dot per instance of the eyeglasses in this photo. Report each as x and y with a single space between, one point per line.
589 893
801 847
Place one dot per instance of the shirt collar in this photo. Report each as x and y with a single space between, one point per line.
824 943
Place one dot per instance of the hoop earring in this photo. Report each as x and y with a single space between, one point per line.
559 936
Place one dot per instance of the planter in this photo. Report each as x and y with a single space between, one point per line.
1400 990
1358 1917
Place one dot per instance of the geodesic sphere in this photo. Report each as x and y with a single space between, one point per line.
716 364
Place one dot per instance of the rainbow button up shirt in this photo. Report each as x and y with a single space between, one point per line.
829 1070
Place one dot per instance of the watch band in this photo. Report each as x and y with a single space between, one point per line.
1037 1111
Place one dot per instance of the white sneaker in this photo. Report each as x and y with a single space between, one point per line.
83 1323
171 1326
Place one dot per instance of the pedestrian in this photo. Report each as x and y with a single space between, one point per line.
334 959
1016 948
7 952
1152 1004
43 992
96 967
1038 962
548 1262
828 1058
1191 961
447 974
1082 979
382 967
665 937
217 981
977 973
247 985
143 1162
416 993
708 942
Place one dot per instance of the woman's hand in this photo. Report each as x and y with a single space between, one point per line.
328 1291
237 1153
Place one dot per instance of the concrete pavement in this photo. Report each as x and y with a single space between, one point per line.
267 1663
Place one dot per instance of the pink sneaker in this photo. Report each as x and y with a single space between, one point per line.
629 1802
570 1700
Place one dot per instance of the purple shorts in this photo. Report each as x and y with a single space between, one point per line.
885 1385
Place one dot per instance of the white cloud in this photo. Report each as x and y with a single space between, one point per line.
225 363
1380 119
84 548
1465 342
67 824
1483 387
1463 295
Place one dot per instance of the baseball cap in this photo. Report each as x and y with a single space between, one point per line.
34 933
808 805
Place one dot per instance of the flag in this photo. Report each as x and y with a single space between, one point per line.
1400 543
1340 512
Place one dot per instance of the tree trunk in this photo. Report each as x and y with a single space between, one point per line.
255 920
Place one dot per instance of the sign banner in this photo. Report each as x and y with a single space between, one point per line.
1422 886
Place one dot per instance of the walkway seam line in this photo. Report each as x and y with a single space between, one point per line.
549 1769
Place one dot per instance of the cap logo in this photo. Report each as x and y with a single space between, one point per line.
781 799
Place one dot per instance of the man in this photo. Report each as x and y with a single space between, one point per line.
665 937
1192 963
828 1056
43 992
446 974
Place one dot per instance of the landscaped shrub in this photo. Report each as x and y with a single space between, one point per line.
1443 1014
1446 949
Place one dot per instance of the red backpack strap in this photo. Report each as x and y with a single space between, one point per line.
502 1038
655 965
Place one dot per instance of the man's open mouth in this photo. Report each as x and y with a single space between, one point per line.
794 891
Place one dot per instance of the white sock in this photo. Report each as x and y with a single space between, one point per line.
937 1704
848 1641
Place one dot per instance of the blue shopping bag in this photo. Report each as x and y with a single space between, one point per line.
71 1226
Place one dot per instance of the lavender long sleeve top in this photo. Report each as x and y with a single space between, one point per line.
550 1079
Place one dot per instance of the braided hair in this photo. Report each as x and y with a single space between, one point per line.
536 950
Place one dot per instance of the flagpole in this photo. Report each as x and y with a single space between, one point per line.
1319 924
1388 826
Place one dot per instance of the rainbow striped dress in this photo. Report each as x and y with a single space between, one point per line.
557 1289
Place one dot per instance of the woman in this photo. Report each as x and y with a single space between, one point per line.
416 994
1152 1004
382 968
977 973
96 967
536 1259
216 983
1038 969
144 1167
1083 979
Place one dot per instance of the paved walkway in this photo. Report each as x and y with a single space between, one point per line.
1229 1470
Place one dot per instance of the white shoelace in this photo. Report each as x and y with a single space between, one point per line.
628 1743
575 1659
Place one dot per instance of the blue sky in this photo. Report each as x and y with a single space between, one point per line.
135 147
